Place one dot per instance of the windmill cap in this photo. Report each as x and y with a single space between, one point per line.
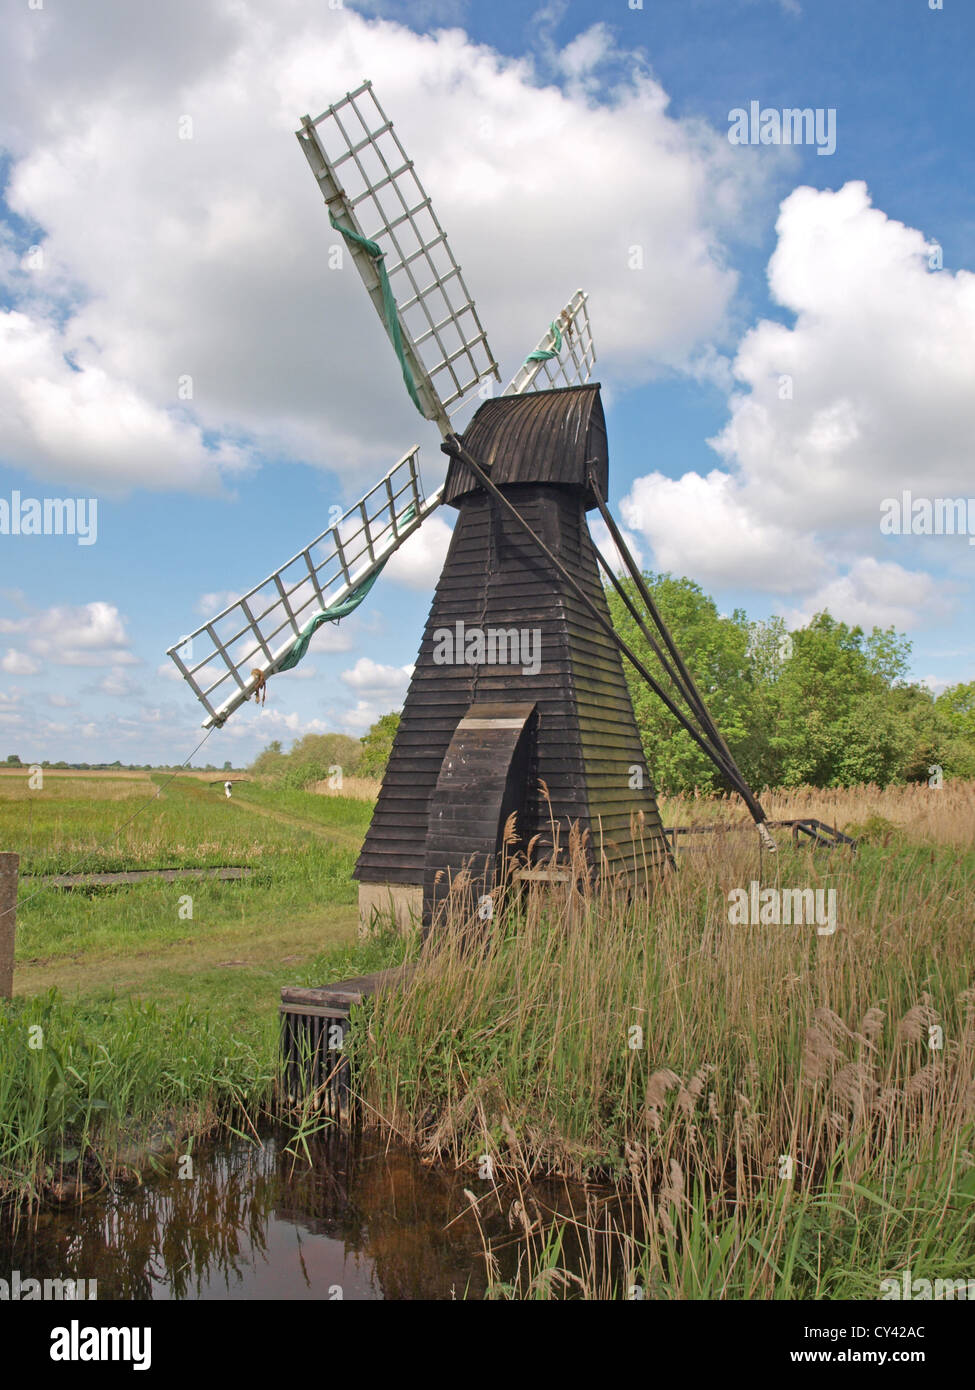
555 437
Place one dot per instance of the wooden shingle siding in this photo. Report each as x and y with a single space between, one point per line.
585 740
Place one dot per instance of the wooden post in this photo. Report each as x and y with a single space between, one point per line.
8 922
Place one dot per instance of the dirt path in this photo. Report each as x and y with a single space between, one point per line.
257 948
338 834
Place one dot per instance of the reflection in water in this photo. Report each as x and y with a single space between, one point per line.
363 1222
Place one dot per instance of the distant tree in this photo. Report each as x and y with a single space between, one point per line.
270 761
955 708
826 704
14 760
228 767
377 744
716 651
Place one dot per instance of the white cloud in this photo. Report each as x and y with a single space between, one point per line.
208 605
419 561
17 663
868 390
88 425
702 526
371 677
364 714
207 256
270 723
118 683
92 634
605 544
936 684
881 358
379 688
874 594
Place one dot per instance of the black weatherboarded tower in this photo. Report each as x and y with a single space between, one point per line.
516 686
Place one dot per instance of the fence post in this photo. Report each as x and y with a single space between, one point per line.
8 922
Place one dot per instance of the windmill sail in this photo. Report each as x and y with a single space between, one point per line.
565 356
229 658
376 201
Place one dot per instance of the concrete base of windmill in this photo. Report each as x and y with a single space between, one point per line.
380 903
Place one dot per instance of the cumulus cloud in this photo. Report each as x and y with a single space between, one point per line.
372 677
17 663
867 391
185 314
118 683
870 388
80 422
702 526
207 605
606 546
875 594
92 634
271 723
419 561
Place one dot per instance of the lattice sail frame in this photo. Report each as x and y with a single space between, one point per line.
257 630
575 360
370 186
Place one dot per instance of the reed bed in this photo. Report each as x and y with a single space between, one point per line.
358 788
779 1113
942 815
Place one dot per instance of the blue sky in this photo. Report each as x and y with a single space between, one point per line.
553 139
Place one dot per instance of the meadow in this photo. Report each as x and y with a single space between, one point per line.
737 1111
158 999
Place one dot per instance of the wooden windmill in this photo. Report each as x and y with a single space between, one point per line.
518 729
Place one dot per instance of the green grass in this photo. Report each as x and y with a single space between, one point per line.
154 1020
190 826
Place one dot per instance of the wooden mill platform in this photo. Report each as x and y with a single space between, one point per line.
314 1024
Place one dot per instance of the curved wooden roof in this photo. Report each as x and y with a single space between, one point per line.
540 437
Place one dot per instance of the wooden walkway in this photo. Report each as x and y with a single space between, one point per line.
130 876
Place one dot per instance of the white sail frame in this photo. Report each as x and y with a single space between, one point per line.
371 187
257 630
575 360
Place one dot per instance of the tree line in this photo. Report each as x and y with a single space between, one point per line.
825 705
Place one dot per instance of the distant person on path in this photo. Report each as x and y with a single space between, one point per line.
227 786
